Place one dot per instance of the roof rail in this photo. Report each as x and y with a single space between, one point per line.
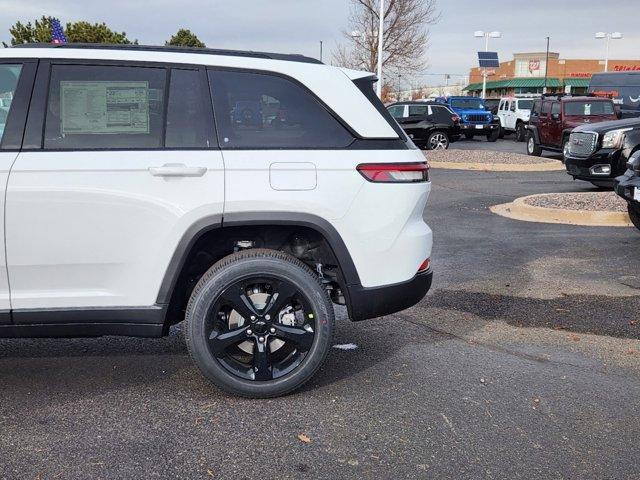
171 48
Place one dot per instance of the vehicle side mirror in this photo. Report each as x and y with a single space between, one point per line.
618 113
555 116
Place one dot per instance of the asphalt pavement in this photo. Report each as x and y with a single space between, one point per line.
522 362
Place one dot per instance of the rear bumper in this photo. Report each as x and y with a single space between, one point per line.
583 168
372 302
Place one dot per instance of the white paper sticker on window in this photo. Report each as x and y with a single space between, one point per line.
104 107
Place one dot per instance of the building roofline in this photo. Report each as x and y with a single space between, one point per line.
174 49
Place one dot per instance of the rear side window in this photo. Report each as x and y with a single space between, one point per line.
555 108
258 110
441 114
546 108
9 76
105 107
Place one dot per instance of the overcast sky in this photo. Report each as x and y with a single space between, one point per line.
297 26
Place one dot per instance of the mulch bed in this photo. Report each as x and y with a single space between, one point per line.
483 156
589 201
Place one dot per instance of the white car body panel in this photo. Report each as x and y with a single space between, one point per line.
89 229
381 224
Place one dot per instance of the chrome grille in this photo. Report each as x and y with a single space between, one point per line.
582 144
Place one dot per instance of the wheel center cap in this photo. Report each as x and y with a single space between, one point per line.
260 327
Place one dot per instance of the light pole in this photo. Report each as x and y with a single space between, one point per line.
380 35
320 50
608 37
486 35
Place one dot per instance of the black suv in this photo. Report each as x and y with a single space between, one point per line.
598 153
431 125
628 187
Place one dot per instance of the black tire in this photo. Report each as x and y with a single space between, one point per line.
438 140
634 213
502 132
532 147
493 135
521 132
231 282
468 135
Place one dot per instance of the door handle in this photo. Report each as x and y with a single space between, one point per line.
177 170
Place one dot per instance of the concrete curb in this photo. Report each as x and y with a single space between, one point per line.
500 167
519 210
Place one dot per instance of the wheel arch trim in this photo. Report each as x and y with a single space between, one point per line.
256 218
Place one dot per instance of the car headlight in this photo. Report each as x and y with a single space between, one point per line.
614 138
465 117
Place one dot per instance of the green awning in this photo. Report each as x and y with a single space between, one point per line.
577 82
534 82
516 83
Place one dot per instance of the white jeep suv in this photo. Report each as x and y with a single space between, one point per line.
242 192
514 113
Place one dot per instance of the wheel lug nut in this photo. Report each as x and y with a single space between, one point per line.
253 317
272 330
261 339
267 317
249 332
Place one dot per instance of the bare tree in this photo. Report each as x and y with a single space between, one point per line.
404 42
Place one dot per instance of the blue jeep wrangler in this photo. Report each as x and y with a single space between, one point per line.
476 119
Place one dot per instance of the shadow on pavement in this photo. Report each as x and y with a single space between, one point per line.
596 314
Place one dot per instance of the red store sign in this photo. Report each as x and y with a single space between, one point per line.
625 68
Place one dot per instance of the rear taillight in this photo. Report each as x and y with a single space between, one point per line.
424 266
395 172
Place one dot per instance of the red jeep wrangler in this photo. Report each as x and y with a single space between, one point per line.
553 118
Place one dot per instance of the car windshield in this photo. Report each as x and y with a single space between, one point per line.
588 108
471 103
525 104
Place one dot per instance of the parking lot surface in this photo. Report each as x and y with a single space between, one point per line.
522 362
508 144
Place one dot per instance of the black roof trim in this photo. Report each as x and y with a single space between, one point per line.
170 48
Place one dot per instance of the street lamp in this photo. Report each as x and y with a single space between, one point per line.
357 34
486 36
608 37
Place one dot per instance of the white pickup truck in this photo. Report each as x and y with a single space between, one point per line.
513 113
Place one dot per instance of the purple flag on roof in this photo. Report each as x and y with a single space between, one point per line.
57 33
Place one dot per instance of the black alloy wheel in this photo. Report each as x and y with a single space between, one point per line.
259 323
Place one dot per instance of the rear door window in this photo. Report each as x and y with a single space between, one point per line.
261 110
9 76
555 108
420 110
105 107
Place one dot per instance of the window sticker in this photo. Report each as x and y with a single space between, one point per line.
104 107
